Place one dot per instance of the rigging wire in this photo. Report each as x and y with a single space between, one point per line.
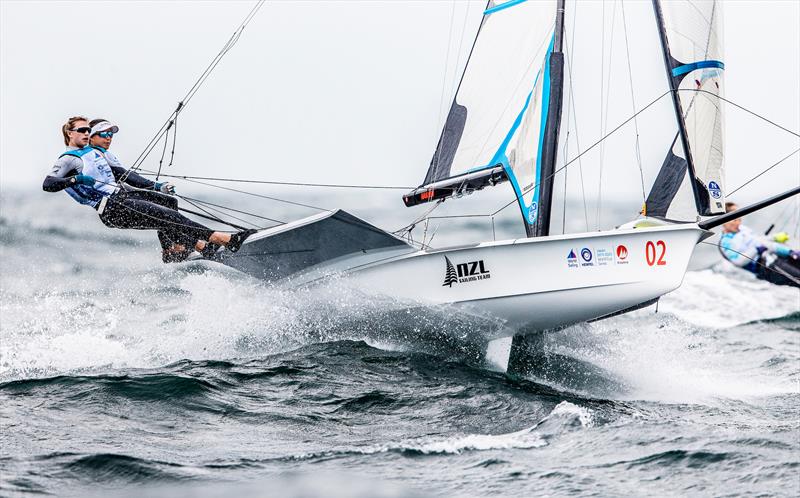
208 209
267 182
261 196
206 203
773 123
764 171
633 103
604 101
577 133
587 150
171 120
439 121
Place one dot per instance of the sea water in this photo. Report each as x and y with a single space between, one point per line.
122 376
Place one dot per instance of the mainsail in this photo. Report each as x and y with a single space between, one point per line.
691 36
497 124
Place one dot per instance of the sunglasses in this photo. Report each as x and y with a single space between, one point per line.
105 134
82 129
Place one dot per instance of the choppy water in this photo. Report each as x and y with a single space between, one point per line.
122 376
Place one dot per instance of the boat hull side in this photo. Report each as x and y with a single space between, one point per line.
536 284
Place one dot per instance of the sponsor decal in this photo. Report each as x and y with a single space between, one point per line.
604 256
572 259
464 272
586 256
622 255
532 212
714 189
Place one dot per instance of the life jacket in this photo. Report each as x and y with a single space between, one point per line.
740 248
96 166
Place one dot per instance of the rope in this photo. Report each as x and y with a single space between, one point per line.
268 182
206 203
196 86
260 195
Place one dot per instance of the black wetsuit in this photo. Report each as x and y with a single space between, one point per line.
131 209
783 271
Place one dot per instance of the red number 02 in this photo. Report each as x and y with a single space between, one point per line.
651 250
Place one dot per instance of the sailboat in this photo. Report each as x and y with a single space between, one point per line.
503 129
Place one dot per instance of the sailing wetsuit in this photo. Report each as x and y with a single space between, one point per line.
118 207
770 261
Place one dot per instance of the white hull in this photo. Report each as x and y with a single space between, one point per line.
532 284
507 287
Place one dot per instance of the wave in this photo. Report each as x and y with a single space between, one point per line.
564 417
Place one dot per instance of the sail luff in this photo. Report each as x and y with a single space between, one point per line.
436 161
500 109
551 131
669 64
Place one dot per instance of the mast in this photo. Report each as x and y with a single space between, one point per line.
541 227
673 86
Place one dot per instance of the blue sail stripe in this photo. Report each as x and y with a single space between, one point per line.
503 6
688 68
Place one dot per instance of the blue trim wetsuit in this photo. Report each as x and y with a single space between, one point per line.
770 261
118 206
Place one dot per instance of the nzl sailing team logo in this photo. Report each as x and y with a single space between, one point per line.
714 190
464 272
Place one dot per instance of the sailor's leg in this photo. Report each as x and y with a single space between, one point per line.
165 200
783 271
138 214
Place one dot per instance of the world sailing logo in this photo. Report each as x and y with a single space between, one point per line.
464 272
572 259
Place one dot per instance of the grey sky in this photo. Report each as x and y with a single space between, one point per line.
322 91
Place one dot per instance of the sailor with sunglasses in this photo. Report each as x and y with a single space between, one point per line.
87 176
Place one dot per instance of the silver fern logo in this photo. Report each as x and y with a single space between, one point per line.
464 272
450 275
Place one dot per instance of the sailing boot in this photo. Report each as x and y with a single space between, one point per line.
238 238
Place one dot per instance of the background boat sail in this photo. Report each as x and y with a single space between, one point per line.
505 125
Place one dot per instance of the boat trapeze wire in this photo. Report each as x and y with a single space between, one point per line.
170 121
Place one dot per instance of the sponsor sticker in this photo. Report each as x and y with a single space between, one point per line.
572 259
622 255
464 272
714 189
532 212
587 256
604 256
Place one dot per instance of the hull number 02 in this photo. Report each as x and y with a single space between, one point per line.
654 253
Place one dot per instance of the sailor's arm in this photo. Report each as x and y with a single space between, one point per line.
132 178
66 173
779 249
136 180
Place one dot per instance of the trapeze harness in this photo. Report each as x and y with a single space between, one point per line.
132 209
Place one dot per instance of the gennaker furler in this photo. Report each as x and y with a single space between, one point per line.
503 126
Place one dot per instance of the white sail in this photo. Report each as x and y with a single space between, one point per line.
694 36
498 114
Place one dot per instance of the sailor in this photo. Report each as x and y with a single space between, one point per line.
768 260
85 174
173 250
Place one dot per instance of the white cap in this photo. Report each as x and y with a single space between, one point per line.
104 126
